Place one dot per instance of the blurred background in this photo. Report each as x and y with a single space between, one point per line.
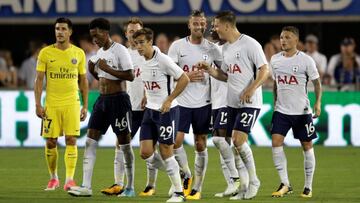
329 32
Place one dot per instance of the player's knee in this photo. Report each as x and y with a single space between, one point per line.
166 151
177 145
200 143
277 140
124 139
144 154
70 140
306 145
94 134
239 138
51 143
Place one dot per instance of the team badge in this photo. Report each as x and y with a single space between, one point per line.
237 55
205 57
73 61
295 69
153 73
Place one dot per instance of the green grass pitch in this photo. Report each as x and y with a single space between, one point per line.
23 176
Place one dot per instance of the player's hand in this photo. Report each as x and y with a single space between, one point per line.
83 114
40 112
202 65
143 102
102 64
166 106
196 76
245 97
317 110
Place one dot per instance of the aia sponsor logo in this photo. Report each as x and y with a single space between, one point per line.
151 85
287 80
234 68
137 72
187 68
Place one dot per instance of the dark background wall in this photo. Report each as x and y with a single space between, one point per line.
16 37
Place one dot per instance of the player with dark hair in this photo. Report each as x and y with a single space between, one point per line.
112 66
63 66
161 114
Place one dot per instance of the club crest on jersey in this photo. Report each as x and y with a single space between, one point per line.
73 61
153 73
295 68
237 55
205 57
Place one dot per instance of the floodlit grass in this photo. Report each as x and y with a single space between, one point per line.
23 176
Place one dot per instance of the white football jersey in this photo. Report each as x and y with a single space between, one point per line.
291 75
218 92
135 88
117 57
157 75
187 55
242 59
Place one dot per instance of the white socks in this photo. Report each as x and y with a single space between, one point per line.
156 161
248 159
201 162
129 164
181 158
172 169
227 154
151 175
280 163
309 167
89 161
226 171
119 167
242 171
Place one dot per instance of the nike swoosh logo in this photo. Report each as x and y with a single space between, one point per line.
182 55
51 61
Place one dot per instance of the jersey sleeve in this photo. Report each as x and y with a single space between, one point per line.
256 54
311 69
124 58
271 67
82 64
171 68
41 61
218 58
173 52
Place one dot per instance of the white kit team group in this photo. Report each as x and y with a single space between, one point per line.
215 88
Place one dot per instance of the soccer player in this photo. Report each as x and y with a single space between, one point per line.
112 66
194 102
221 136
161 113
246 67
63 66
292 69
136 92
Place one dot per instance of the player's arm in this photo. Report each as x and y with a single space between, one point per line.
182 81
275 92
38 87
261 77
84 90
313 74
181 84
216 73
91 66
318 94
123 75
